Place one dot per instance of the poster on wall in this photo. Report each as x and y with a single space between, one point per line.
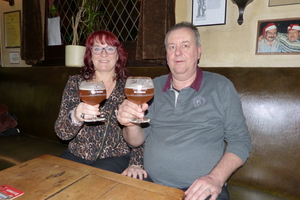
12 29
208 12
279 36
282 2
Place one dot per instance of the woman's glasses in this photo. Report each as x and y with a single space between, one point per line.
98 49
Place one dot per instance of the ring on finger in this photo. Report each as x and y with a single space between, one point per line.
82 115
208 190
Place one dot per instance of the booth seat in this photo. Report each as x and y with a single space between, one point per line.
271 104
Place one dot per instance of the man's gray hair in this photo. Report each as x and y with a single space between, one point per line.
184 25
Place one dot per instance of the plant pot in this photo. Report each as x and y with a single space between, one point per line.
74 55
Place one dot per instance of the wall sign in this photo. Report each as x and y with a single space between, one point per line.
14 58
12 29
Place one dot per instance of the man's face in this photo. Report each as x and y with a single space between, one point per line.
271 35
182 52
293 35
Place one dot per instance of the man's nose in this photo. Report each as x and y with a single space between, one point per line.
178 51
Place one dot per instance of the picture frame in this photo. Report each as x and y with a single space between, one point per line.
206 12
282 2
283 42
14 58
12 29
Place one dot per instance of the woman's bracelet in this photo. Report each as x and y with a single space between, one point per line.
72 117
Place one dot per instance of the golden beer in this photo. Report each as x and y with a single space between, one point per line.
92 97
139 90
139 96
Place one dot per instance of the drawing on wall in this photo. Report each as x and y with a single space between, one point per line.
208 12
280 36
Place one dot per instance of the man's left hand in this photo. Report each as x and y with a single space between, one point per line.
204 187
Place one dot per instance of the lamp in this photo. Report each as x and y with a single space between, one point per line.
241 5
11 2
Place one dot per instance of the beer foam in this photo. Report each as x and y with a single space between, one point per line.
89 87
140 87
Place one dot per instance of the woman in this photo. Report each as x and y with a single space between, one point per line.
99 144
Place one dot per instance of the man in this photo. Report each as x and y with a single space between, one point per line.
293 32
290 42
193 114
269 43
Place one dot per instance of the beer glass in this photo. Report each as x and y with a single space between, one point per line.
93 93
139 90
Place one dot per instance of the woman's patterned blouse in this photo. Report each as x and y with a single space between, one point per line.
93 141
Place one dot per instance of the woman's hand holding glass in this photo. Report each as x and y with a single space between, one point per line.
92 93
88 110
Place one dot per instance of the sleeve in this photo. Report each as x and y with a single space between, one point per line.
64 127
136 157
237 135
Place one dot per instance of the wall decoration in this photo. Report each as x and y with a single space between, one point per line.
12 29
14 58
241 4
208 12
280 36
282 2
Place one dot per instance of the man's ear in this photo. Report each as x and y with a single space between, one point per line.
199 51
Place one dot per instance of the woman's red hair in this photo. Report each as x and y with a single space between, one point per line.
104 37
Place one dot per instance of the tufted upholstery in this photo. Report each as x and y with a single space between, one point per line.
271 104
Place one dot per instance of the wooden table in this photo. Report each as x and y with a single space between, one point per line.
54 178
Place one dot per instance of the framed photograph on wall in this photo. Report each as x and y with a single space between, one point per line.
12 29
280 36
283 2
207 12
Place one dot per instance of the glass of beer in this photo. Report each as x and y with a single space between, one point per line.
139 90
93 93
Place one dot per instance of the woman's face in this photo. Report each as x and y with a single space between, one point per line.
104 57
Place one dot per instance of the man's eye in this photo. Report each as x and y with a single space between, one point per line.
185 46
171 47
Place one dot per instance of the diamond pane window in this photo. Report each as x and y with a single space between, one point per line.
120 17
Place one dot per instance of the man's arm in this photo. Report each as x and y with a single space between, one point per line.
134 135
212 183
226 166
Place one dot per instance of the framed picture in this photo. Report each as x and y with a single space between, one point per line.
14 58
280 36
282 2
207 12
12 29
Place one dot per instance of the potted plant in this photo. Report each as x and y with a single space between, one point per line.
86 21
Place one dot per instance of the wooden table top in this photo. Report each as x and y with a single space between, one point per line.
54 178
